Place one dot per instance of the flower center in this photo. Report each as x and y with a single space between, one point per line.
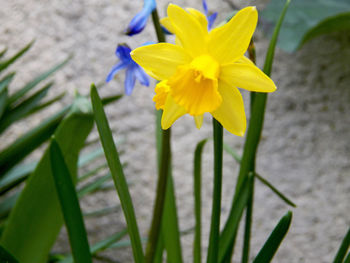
205 67
195 86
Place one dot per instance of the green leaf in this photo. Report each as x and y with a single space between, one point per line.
70 207
270 247
7 204
20 93
23 108
307 19
93 186
170 225
344 247
275 190
46 104
36 219
4 92
347 259
117 173
228 234
3 52
110 99
332 24
232 152
5 64
6 257
197 173
30 141
101 245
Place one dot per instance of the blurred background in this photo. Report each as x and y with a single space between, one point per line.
305 145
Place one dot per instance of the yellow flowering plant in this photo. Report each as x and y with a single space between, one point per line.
201 73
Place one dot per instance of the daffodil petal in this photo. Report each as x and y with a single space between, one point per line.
245 60
189 31
171 113
246 76
231 113
198 120
167 24
199 17
160 60
229 42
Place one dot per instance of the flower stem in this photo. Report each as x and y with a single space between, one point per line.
216 206
160 197
157 26
164 165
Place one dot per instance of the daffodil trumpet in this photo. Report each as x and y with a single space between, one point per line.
200 73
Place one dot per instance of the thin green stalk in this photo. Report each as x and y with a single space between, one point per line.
160 197
213 250
157 26
257 115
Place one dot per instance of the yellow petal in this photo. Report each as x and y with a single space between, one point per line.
245 60
229 42
162 91
198 120
160 60
200 17
167 24
231 113
246 76
171 113
189 31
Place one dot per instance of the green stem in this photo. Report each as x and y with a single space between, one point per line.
213 250
164 159
160 197
157 26
248 224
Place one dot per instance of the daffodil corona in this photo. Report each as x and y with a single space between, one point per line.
202 71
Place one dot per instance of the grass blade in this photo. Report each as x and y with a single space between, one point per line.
347 259
344 247
101 245
228 234
275 190
197 173
270 247
20 93
233 153
110 99
37 217
23 108
6 257
3 52
5 64
69 206
24 145
46 104
117 174
93 186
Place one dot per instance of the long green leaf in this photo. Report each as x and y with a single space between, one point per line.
117 174
3 52
101 245
197 174
229 232
93 186
21 92
270 247
7 204
5 64
170 225
35 221
344 247
4 92
6 257
24 145
69 205
23 108
46 104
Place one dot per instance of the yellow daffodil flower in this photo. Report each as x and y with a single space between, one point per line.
202 71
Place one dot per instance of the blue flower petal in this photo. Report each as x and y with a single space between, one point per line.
141 75
139 21
211 20
123 52
129 82
205 7
115 70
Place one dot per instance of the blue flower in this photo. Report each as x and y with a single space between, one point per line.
133 70
211 18
139 21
